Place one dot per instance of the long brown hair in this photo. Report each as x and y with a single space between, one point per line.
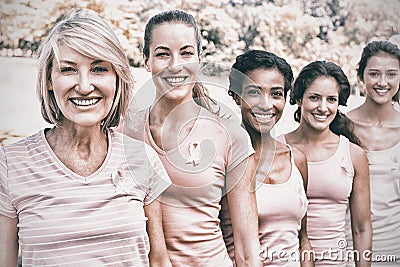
341 125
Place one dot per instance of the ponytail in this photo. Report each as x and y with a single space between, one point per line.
201 97
342 125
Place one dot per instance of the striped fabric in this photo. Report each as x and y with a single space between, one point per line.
69 220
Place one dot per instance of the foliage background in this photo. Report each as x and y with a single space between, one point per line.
300 31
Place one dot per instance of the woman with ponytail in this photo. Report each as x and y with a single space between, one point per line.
338 173
207 157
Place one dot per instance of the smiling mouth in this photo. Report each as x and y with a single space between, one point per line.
320 117
263 117
381 91
85 102
175 80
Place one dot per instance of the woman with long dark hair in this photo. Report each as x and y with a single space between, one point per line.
377 123
337 167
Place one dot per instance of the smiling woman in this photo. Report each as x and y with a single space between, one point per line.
325 136
259 82
206 156
80 192
83 87
174 61
377 122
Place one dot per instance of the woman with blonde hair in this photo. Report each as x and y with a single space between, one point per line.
80 192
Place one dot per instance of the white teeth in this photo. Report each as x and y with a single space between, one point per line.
320 117
381 91
175 79
85 102
263 116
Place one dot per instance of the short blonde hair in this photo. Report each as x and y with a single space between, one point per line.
87 33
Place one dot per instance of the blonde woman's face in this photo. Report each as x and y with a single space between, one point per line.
83 87
173 61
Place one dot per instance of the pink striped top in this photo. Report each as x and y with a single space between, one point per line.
69 220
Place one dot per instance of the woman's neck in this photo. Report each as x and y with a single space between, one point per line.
261 142
378 113
77 138
309 135
81 149
173 112
170 124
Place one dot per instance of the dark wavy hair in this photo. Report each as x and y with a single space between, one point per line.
199 92
341 125
375 48
257 59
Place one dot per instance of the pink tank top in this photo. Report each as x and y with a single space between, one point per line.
329 186
384 168
281 208
385 200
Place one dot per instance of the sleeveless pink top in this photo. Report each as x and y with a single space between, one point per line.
384 168
385 200
281 208
329 186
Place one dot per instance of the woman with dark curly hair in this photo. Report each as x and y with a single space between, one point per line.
259 82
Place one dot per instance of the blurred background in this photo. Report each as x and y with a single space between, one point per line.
301 31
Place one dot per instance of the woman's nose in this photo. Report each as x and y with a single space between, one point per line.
175 64
265 102
383 81
323 106
84 85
